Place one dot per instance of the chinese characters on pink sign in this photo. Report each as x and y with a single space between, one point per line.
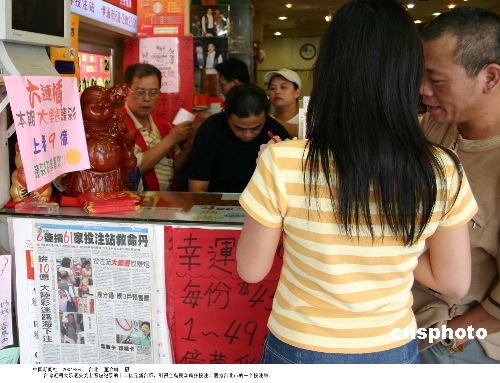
49 126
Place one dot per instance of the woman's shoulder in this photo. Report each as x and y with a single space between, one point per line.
290 148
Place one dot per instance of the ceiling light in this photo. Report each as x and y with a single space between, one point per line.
410 5
277 33
328 18
451 6
436 14
289 5
282 18
418 21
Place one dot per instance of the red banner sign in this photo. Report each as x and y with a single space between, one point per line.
214 316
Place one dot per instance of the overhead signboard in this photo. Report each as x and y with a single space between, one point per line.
107 13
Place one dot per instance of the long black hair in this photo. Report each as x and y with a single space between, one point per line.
363 116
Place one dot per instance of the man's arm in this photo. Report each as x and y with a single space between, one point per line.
196 186
477 317
153 155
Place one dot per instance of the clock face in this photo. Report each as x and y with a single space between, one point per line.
307 51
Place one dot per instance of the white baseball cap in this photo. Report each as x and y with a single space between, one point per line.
290 75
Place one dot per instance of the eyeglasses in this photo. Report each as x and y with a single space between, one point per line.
141 93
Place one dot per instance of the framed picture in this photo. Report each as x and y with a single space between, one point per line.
307 51
208 52
209 20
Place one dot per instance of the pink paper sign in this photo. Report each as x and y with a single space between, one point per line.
49 126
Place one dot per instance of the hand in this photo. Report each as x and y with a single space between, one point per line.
182 131
264 146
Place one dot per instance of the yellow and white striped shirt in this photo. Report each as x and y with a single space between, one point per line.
338 294
164 169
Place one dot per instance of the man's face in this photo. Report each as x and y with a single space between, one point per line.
210 47
246 129
145 329
225 86
449 94
71 319
143 105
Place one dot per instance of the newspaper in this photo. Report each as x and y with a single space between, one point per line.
95 292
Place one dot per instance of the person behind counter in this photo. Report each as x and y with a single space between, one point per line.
157 148
226 145
357 201
284 91
232 72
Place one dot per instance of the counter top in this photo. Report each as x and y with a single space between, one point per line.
165 207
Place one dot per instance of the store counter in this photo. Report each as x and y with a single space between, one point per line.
164 207
156 285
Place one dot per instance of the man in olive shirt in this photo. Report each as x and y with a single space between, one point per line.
461 90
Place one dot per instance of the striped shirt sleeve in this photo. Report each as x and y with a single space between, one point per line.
264 198
461 202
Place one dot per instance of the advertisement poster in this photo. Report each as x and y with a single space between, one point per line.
163 53
203 284
160 18
49 126
95 69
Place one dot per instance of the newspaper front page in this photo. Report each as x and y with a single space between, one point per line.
95 292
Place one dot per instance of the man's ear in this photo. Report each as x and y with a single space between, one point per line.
492 77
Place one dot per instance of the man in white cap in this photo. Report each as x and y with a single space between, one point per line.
284 91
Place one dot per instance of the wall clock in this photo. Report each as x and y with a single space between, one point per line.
307 51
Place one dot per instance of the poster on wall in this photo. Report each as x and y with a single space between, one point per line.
95 69
203 284
160 18
209 52
163 53
49 126
209 20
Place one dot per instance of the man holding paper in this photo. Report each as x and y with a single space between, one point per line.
161 148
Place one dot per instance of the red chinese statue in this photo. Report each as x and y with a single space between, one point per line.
110 144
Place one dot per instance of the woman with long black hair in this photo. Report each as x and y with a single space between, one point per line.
358 202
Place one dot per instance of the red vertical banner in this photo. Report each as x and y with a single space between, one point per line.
160 18
214 316
170 103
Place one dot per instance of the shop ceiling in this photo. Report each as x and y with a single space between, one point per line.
306 18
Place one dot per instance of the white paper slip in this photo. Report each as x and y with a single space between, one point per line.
182 116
